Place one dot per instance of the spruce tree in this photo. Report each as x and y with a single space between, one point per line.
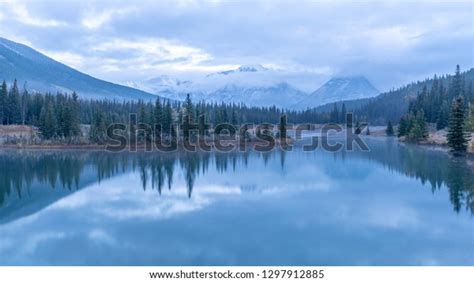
403 127
457 135
158 112
343 114
167 118
217 118
335 114
188 106
14 107
202 126
142 114
470 119
282 128
75 115
188 118
47 118
158 117
233 118
457 84
65 120
443 116
24 105
97 133
3 103
224 115
417 127
470 92
144 119
389 131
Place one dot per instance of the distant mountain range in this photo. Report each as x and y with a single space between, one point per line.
340 89
43 74
258 86
253 85
391 105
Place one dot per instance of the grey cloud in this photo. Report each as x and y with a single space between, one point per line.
390 43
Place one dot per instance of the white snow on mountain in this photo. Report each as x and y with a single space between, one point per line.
340 89
161 83
257 85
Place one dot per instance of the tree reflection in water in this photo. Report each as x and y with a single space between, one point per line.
63 170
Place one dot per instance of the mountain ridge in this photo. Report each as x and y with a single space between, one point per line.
338 89
242 85
253 85
44 74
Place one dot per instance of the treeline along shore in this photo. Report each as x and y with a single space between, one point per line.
445 104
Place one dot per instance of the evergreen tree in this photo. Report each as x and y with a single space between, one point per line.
335 114
144 118
188 106
186 127
158 112
350 121
24 105
97 133
217 118
14 107
75 115
65 120
224 115
202 126
48 121
343 114
457 135
167 118
457 86
443 116
142 114
470 92
233 119
3 103
417 127
158 117
470 121
67 116
389 131
282 127
188 117
403 127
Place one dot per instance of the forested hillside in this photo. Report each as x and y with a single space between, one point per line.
43 74
59 116
394 104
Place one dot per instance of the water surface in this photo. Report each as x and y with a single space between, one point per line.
394 205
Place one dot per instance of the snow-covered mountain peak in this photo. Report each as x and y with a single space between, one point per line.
339 89
251 68
241 69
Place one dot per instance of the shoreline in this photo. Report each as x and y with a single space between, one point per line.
250 145
436 140
140 147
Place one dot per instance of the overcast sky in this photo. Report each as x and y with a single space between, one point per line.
390 43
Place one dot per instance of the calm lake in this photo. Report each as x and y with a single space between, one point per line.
395 205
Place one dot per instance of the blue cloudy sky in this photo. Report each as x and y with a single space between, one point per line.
390 43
